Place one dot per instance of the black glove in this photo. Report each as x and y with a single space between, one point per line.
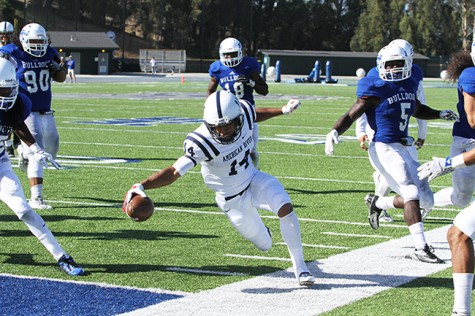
243 79
53 66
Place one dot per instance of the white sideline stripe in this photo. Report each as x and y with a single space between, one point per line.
316 246
257 257
356 235
199 271
341 279
98 284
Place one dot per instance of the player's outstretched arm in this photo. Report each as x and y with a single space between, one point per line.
213 85
161 178
267 113
260 86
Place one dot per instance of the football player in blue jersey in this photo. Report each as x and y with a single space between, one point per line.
460 194
222 145
389 101
461 163
364 133
240 75
14 109
38 64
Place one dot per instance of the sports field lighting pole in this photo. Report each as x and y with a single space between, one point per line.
124 3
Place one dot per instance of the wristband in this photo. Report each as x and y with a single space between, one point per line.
455 162
35 148
251 83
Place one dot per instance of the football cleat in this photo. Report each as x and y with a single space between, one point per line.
385 217
425 254
37 203
68 265
306 279
373 211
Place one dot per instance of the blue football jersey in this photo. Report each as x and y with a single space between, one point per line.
226 76
34 76
390 119
466 83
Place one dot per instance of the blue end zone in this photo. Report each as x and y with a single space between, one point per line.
22 296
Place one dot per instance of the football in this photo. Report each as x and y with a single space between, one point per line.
140 208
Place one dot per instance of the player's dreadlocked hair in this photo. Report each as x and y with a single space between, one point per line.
458 63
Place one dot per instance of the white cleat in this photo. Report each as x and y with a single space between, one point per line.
38 204
306 279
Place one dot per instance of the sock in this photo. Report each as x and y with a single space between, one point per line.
38 228
417 233
463 283
385 202
290 230
36 191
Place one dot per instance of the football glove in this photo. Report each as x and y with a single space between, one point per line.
42 157
238 89
291 106
244 80
331 138
448 115
435 168
53 66
136 189
419 143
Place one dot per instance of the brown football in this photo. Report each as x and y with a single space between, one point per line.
140 208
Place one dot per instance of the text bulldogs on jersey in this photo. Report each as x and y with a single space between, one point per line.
33 64
401 97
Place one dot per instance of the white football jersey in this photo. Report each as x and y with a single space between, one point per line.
226 169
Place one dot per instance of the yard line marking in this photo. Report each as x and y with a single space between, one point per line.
356 235
257 257
199 271
316 246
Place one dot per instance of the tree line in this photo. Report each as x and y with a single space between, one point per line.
433 27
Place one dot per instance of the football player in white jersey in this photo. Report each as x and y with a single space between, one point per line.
14 108
222 145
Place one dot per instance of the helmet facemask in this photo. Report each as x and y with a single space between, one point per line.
8 85
34 40
390 54
230 52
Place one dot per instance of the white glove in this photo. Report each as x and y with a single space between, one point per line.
449 115
238 89
291 106
435 168
42 157
332 137
136 189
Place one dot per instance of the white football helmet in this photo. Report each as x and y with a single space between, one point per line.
404 45
6 32
34 40
222 108
389 53
8 85
232 46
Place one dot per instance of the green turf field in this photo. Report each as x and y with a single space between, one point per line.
102 160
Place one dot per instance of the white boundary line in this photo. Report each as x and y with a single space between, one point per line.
341 279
